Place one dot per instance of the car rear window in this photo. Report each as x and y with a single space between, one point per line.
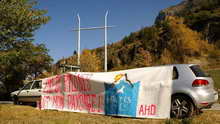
198 71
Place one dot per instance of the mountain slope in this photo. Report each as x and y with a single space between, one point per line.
200 15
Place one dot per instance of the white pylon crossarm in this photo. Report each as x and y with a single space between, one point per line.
92 28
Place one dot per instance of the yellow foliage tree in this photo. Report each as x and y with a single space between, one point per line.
184 41
89 61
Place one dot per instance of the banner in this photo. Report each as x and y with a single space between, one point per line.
142 92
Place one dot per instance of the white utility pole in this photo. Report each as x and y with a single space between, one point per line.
78 43
106 61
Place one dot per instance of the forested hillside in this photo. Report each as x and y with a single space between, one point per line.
185 33
200 15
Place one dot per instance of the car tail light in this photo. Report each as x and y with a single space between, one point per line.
199 82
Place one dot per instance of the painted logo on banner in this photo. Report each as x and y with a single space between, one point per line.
121 96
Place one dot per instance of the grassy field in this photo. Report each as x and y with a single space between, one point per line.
15 114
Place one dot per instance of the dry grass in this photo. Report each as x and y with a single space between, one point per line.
208 117
15 114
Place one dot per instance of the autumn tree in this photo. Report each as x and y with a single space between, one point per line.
90 62
142 59
184 41
19 57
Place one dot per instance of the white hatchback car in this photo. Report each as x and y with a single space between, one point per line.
30 93
192 90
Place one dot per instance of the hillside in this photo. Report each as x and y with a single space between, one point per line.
200 15
185 33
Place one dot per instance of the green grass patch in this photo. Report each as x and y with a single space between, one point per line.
16 114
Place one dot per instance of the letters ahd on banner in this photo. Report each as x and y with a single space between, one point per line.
141 92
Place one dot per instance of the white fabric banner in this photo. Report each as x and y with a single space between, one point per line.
142 92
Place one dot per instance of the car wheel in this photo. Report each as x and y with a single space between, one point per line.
15 100
181 107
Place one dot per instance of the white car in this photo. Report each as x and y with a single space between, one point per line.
30 93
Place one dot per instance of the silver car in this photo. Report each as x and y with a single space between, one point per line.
192 90
30 93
